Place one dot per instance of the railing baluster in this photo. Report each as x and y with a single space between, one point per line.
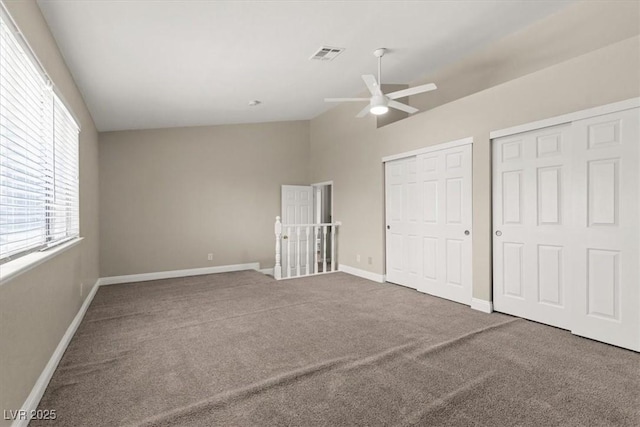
316 252
333 248
288 252
324 248
298 251
308 258
277 269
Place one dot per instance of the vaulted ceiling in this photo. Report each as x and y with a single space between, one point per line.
155 64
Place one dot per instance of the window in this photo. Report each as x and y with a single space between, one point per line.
38 155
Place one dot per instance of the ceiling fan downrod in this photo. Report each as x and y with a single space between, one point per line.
379 53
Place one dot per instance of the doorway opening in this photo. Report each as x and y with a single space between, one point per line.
323 214
322 202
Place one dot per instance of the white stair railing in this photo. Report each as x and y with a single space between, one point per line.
309 247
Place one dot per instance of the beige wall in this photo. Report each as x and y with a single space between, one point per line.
169 197
349 151
37 307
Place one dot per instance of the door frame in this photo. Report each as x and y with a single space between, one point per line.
566 118
424 150
314 187
429 149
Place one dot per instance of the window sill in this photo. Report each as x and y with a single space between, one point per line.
13 269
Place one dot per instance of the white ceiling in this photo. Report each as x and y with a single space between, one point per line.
154 64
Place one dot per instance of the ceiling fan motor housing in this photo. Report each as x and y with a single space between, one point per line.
378 104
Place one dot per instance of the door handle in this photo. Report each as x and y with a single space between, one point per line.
498 233
467 232
285 237
388 227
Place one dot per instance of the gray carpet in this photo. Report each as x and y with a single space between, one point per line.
241 349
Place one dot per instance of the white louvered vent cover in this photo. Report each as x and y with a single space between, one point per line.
327 53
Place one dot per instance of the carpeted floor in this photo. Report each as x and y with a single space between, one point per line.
241 349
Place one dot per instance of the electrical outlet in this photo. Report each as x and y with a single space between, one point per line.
370 260
358 258
210 257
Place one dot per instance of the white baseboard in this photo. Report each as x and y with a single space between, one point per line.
31 404
132 278
268 271
482 305
380 278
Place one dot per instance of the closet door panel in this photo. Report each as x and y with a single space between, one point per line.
607 215
532 229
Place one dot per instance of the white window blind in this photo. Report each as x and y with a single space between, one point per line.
62 207
38 156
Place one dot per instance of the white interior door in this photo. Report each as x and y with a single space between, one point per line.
533 237
445 187
566 210
429 218
297 247
607 218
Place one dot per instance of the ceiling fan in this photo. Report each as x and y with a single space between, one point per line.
379 102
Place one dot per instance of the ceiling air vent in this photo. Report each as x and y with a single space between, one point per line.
326 53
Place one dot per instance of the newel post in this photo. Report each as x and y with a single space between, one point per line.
277 270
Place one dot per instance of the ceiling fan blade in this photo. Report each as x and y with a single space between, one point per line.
372 84
345 99
411 91
403 107
363 112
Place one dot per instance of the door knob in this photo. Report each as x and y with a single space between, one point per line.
285 237
388 227
467 232
498 233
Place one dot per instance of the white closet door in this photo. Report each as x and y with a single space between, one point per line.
566 211
533 235
445 223
429 217
607 214
402 212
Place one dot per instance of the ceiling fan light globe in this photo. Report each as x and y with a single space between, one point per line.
379 105
378 110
